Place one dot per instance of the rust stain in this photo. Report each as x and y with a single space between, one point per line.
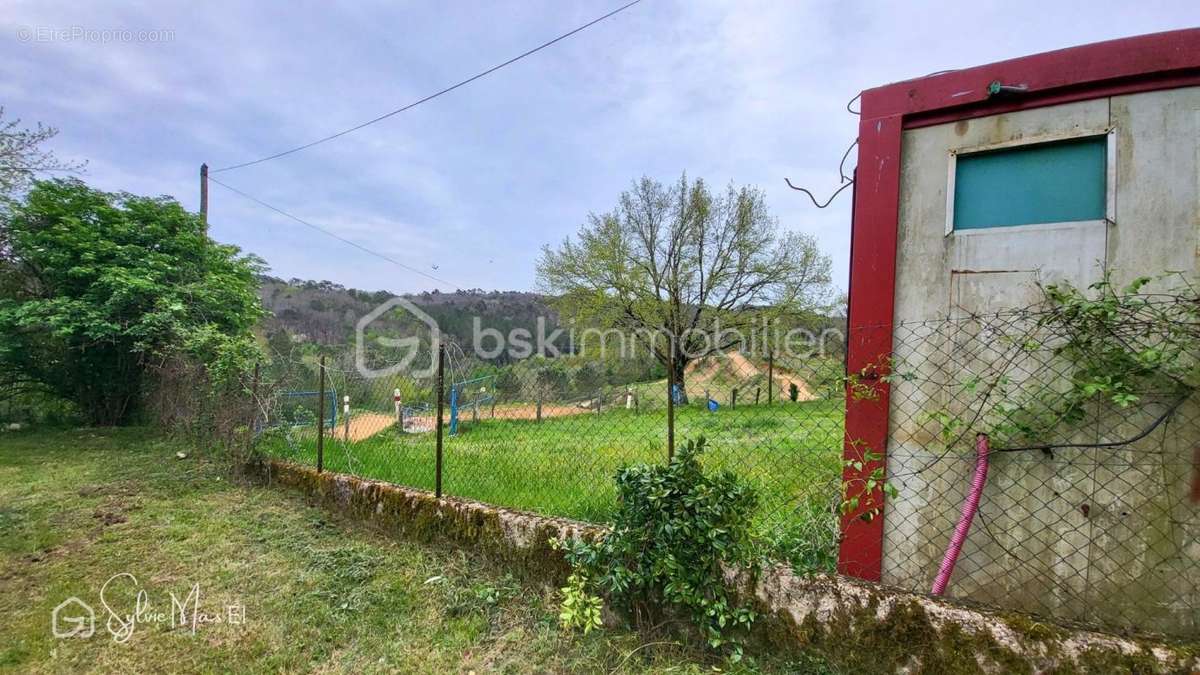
1196 477
961 126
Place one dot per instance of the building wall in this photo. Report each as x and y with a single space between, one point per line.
1095 535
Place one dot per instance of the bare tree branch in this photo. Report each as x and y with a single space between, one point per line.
22 156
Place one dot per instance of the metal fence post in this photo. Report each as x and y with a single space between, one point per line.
770 378
671 411
441 403
321 418
254 399
1196 476
733 399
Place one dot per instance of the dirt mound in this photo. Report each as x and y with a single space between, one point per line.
721 373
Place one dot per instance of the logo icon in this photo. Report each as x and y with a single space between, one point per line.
411 343
73 618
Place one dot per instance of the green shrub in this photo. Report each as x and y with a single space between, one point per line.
303 417
106 297
675 532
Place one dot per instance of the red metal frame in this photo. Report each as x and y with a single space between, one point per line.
1144 63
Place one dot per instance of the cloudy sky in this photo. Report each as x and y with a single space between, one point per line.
475 182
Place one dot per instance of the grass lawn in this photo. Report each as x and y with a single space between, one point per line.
78 507
790 452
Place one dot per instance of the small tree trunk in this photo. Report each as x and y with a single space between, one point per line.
680 365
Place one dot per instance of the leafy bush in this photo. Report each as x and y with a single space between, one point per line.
580 609
676 530
303 417
99 289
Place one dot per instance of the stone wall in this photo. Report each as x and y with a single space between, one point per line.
865 627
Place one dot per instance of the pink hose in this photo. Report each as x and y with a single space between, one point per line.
968 514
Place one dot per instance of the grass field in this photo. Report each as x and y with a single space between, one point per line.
790 452
319 594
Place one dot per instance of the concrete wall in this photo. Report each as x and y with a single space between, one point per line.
1095 535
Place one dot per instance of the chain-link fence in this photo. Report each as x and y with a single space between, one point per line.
1088 512
1086 515
549 435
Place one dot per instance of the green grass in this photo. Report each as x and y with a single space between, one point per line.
790 453
320 593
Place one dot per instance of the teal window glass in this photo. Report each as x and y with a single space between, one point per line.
1056 182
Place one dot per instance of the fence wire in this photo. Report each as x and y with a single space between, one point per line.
549 435
1087 514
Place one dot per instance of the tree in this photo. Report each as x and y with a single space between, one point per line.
588 377
22 157
685 272
98 288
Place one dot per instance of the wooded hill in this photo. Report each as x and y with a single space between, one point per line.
326 313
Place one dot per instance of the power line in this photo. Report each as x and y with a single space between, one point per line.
813 197
431 96
326 232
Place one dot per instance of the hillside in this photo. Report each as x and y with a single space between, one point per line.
326 313
305 313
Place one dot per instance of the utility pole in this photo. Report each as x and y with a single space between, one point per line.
204 196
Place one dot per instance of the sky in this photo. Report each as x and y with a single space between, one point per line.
469 187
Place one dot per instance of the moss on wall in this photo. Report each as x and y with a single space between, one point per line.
518 539
904 639
861 627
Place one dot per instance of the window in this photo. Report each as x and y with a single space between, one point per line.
1054 182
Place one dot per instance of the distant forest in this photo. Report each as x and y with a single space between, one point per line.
325 313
